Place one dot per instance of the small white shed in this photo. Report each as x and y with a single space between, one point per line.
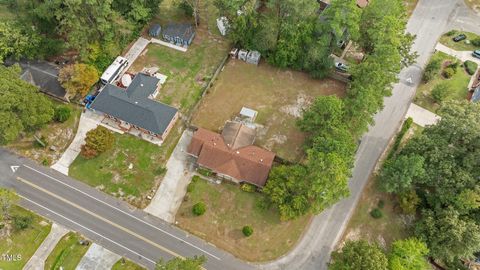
222 24
248 114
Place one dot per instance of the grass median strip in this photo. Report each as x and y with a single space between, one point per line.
67 254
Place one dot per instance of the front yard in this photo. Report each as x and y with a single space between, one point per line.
278 95
464 45
67 253
457 84
130 170
228 210
23 242
57 137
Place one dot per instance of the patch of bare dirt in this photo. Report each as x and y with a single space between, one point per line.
296 109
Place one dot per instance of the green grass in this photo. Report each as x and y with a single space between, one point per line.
461 45
110 171
458 83
128 265
5 13
23 242
228 210
67 253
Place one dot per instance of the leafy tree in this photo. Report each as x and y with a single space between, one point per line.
194 263
440 92
17 41
359 255
326 112
7 199
78 78
194 6
98 141
408 254
199 209
409 201
398 175
23 107
449 235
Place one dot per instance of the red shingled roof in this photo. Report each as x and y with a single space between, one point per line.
250 163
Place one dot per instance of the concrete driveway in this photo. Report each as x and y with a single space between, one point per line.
462 55
170 194
421 116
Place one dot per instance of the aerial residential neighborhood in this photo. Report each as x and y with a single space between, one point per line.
240 134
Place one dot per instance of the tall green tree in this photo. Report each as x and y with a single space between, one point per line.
194 263
408 254
398 175
359 255
17 41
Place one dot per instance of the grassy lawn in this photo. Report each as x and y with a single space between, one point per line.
228 210
57 135
279 96
129 170
188 73
458 83
23 242
67 254
461 45
127 265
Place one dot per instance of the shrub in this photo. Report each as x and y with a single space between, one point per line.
204 172
190 187
376 213
62 113
160 170
451 33
381 204
186 8
248 187
97 141
199 209
405 127
470 67
448 72
22 222
431 70
475 42
454 65
408 201
247 231
440 92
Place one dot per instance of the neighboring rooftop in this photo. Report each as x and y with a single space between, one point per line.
476 95
237 135
180 30
133 106
249 163
42 74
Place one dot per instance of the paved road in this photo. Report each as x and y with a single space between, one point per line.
107 221
428 21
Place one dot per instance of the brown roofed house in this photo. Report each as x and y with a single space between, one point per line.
231 154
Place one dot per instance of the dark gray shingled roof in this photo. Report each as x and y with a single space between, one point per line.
133 105
183 31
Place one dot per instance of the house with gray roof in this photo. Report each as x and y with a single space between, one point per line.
180 34
476 95
134 107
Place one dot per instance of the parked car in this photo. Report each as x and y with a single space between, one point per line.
460 37
476 54
341 67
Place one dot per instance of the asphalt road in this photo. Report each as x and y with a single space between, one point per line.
109 222
428 22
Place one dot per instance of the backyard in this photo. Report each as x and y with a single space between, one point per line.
67 253
228 210
457 84
188 72
278 95
464 45
57 137
23 242
130 170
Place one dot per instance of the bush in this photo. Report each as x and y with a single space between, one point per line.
248 187
408 201
199 209
470 67
475 42
431 70
22 222
376 213
454 65
187 8
62 113
448 72
440 92
247 231
381 204
160 171
204 172
97 141
405 127
451 33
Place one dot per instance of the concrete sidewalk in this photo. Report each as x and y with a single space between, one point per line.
37 261
170 194
462 55
98 258
167 44
421 116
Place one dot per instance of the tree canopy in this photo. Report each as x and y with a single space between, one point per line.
408 254
78 79
23 107
359 255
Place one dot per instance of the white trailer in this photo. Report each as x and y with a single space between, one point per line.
114 71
